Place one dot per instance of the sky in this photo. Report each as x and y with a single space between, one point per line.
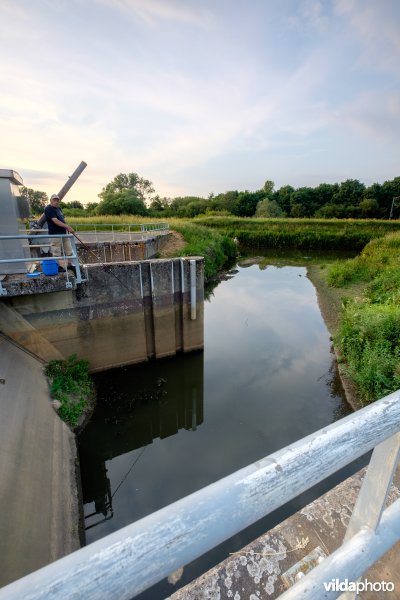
199 97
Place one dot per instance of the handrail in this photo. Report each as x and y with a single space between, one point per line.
124 563
34 259
131 229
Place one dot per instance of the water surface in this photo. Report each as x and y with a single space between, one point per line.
164 429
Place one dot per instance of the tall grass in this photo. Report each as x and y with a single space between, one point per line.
369 334
217 249
330 234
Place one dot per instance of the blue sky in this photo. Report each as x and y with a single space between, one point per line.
199 97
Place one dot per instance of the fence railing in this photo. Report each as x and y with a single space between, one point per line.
45 239
100 232
125 563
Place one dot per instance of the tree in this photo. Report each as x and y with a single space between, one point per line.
369 207
350 193
125 202
269 208
142 188
283 196
159 204
126 194
303 203
268 188
73 204
37 200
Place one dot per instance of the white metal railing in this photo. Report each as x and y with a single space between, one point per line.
73 258
125 563
132 231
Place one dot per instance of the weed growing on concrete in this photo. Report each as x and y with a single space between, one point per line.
71 386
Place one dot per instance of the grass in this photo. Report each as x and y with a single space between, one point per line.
330 234
368 337
216 248
71 386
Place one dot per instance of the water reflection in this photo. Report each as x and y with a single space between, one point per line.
136 405
267 378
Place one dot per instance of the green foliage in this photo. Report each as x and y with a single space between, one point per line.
70 385
369 333
37 200
369 340
126 194
216 248
300 233
269 208
125 202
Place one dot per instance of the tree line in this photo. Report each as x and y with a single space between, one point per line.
128 193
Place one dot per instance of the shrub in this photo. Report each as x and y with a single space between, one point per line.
71 385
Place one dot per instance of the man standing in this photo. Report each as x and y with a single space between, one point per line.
57 225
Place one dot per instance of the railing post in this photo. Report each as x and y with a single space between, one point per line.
372 496
193 289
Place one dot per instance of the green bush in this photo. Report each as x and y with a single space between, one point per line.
71 385
369 334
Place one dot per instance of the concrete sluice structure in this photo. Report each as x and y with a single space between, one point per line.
124 313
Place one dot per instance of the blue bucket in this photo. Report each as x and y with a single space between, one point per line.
49 267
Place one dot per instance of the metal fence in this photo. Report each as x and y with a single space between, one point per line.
105 232
45 239
125 563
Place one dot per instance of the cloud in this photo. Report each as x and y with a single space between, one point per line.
154 11
374 25
374 115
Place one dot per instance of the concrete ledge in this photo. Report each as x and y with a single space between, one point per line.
39 508
21 285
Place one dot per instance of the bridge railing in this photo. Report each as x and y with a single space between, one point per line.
45 240
125 563
100 232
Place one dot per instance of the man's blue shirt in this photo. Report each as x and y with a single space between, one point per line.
51 212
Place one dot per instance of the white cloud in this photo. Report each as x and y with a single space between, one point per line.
153 11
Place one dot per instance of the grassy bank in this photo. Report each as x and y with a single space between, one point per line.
217 248
71 386
368 335
351 234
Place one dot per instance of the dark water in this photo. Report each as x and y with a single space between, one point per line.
167 428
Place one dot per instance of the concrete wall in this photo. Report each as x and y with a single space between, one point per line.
39 504
120 251
125 313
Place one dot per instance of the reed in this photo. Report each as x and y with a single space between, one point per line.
330 234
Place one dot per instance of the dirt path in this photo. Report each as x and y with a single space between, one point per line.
173 244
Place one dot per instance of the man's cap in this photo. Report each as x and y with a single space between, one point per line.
55 197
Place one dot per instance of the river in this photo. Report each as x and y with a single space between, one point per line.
166 428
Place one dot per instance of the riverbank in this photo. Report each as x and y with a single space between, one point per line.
330 301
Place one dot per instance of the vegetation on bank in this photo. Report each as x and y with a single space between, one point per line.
329 234
368 337
218 249
72 386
